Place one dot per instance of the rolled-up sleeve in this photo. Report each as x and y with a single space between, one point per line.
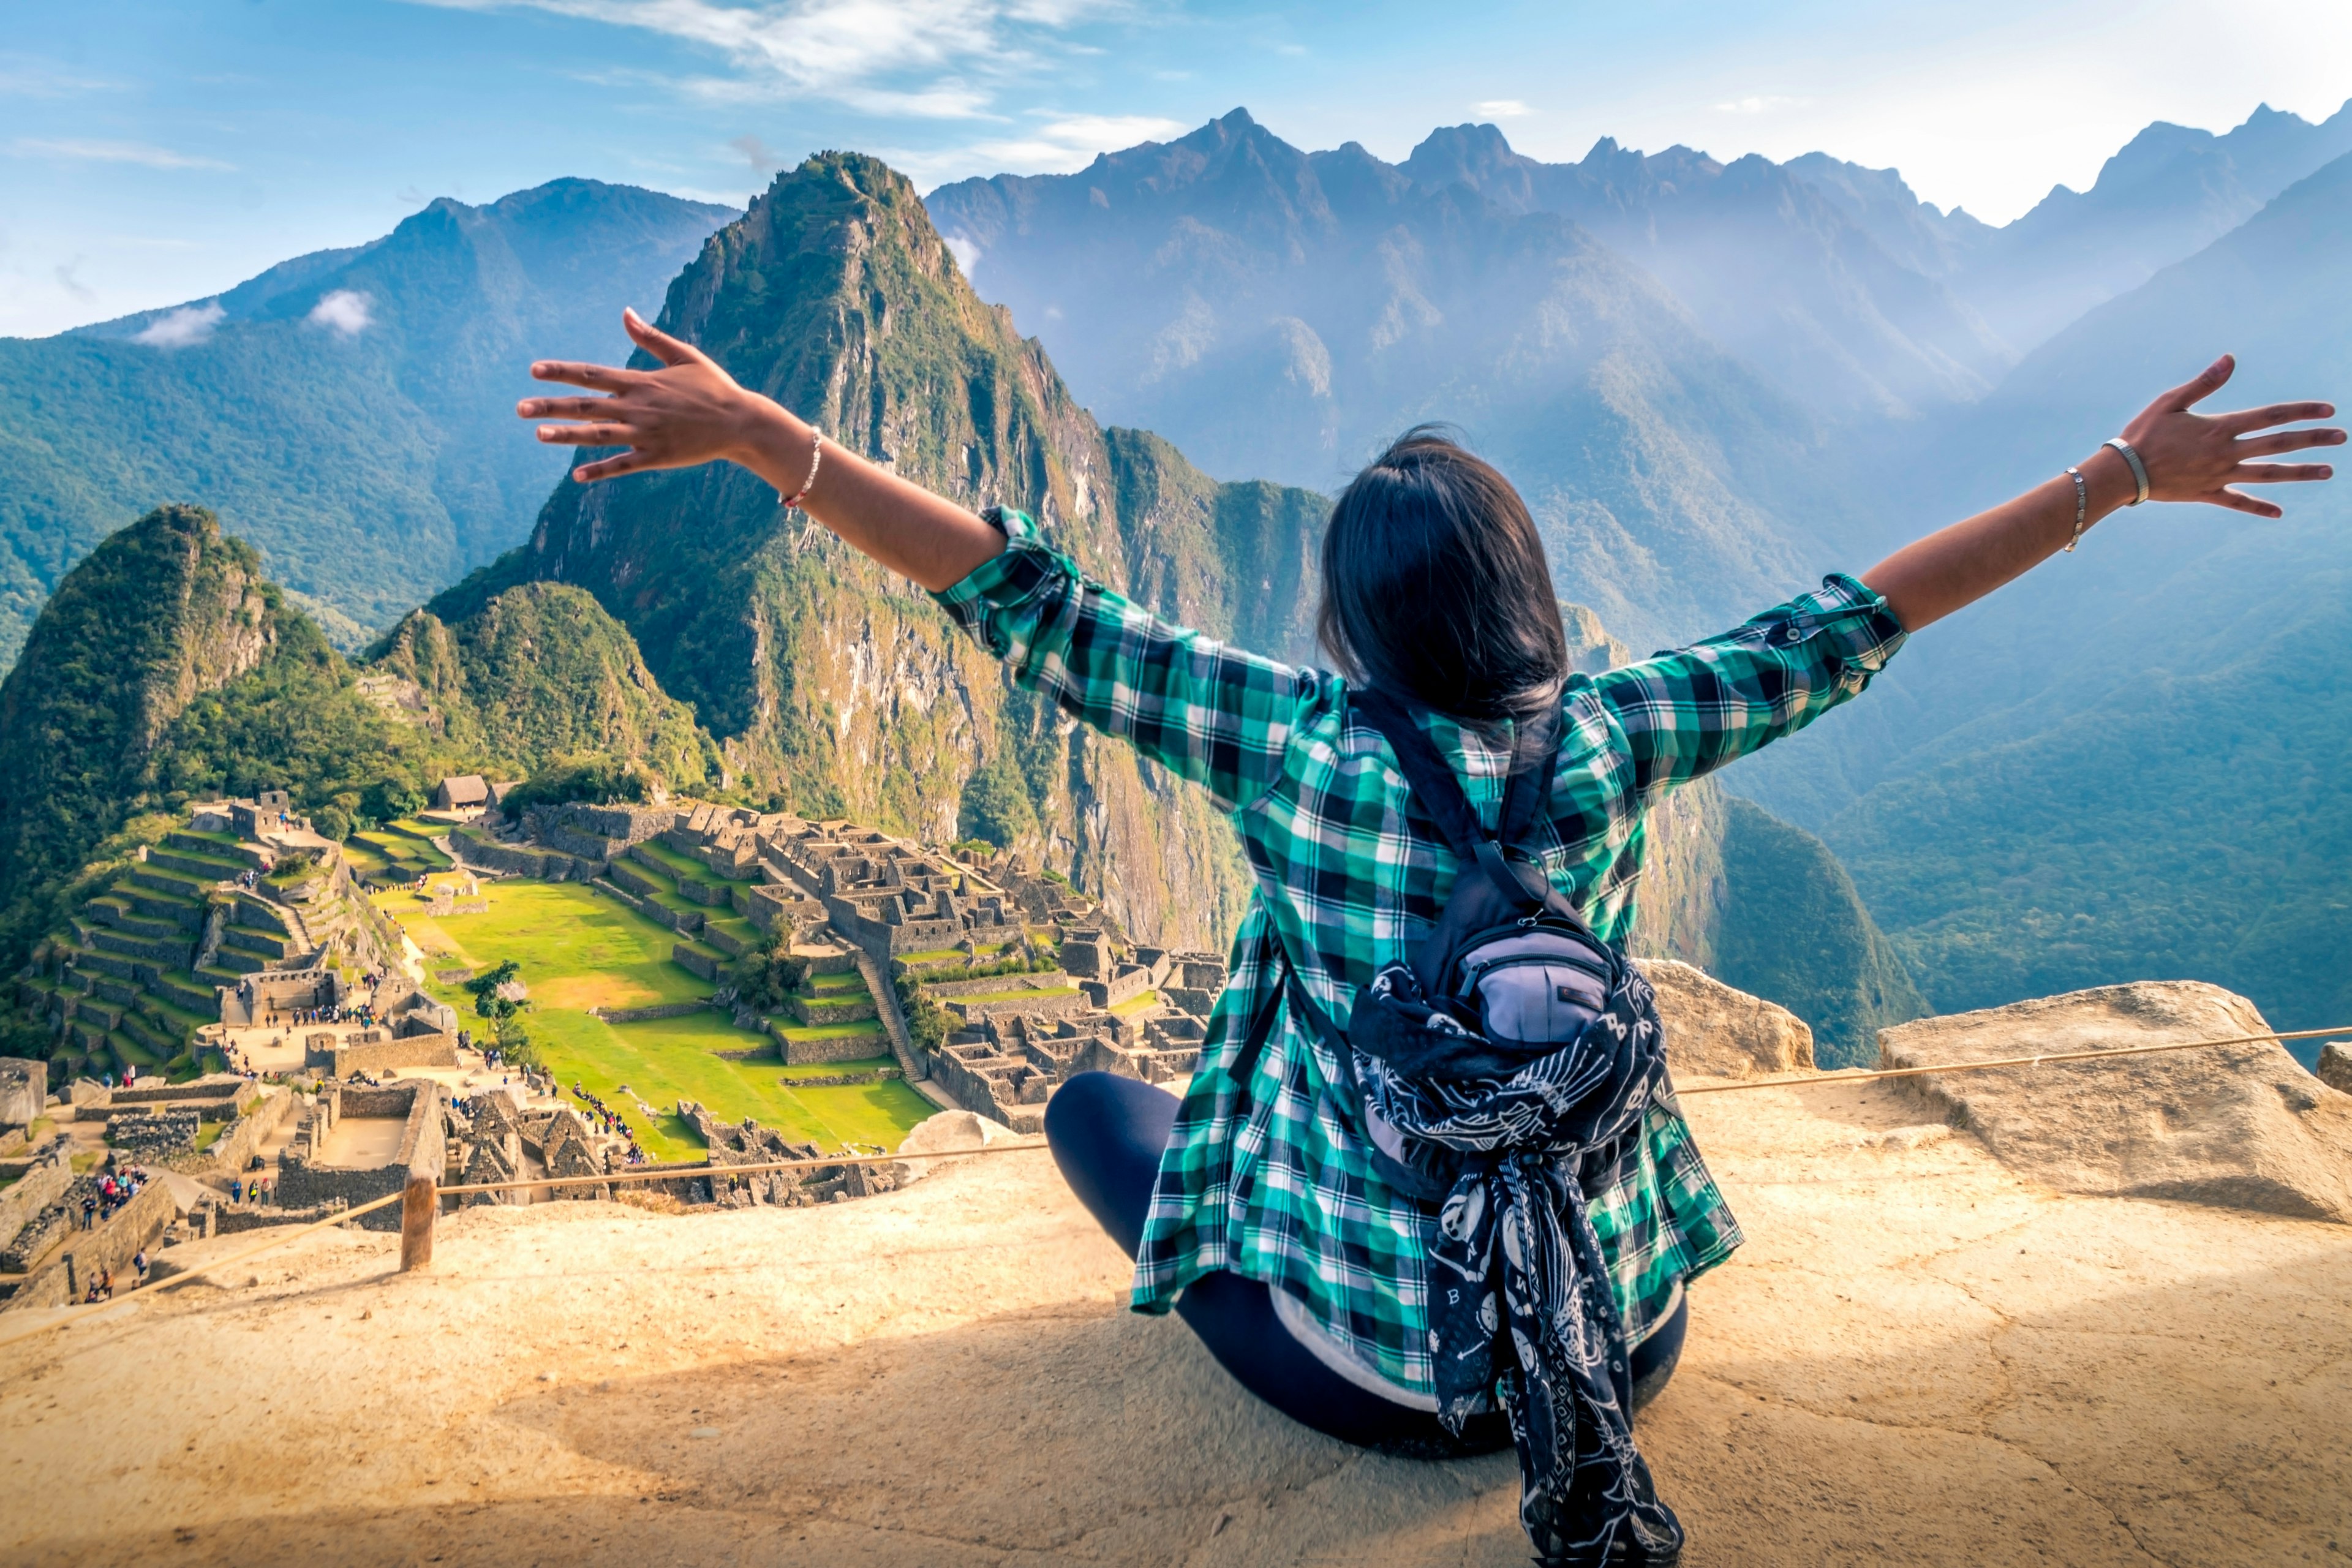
1207 712
1688 712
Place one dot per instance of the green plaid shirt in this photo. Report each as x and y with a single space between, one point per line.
1266 1179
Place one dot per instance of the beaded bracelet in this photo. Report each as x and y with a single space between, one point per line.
816 462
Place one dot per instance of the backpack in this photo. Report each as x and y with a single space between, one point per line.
1510 972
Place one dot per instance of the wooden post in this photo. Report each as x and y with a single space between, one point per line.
420 1201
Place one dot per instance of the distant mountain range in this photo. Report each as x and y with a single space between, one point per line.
1712 380
2128 765
349 412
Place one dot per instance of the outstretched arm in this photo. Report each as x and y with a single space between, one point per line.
691 411
2189 457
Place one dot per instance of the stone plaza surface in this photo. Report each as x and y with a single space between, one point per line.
1919 1358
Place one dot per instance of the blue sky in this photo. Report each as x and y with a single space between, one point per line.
156 151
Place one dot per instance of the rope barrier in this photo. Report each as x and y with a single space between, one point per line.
80 1310
77 1313
2010 1062
705 1173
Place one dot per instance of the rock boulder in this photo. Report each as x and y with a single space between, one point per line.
2335 1067
2239 1126
947 1132
1714 1031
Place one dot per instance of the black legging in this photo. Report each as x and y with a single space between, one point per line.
1108 1133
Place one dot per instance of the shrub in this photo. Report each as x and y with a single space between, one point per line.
927 1023
768 978
598 781
514 1044
996 808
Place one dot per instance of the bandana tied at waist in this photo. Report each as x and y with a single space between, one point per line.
1515 1267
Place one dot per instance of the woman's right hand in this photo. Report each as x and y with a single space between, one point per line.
691 411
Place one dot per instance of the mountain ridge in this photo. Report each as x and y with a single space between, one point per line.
346 411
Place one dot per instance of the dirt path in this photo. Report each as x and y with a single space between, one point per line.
1916 1359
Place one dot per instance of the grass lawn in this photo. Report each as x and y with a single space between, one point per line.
824 984
1138 1003
578 948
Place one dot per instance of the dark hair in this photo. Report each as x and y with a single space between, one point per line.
1434 584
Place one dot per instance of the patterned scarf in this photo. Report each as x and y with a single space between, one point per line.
1513 1263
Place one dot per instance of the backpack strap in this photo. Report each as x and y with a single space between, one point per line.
1432 780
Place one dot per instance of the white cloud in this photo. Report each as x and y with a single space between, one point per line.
343 312
1058 144
845 50
1761 103
964 251
31 78
184 328
138 153
1502 109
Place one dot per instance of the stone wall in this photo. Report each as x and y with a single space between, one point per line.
832 1048
226 1088
524 859
44 1183
242 1138
433 1048
423 1147
135 1226
23 1090
162 1134
643 1015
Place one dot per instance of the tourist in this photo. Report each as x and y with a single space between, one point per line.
89 1211
235 1190
139 1268
1277 1236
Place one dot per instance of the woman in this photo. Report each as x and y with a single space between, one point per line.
1253 1208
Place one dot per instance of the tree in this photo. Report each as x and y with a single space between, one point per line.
996 806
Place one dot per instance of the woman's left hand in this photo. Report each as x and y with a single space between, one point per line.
2194 456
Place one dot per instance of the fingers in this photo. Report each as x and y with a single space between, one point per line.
2249 419
656 342
563 408
587 434
613 467
2279 473
2288 440
576 372
2251 505
2204 385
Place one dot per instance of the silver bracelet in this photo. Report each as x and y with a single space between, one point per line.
816 462
2081 508
2138 468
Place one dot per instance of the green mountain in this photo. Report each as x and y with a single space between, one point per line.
538 674
167 668
348 413
838 687
2122 767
